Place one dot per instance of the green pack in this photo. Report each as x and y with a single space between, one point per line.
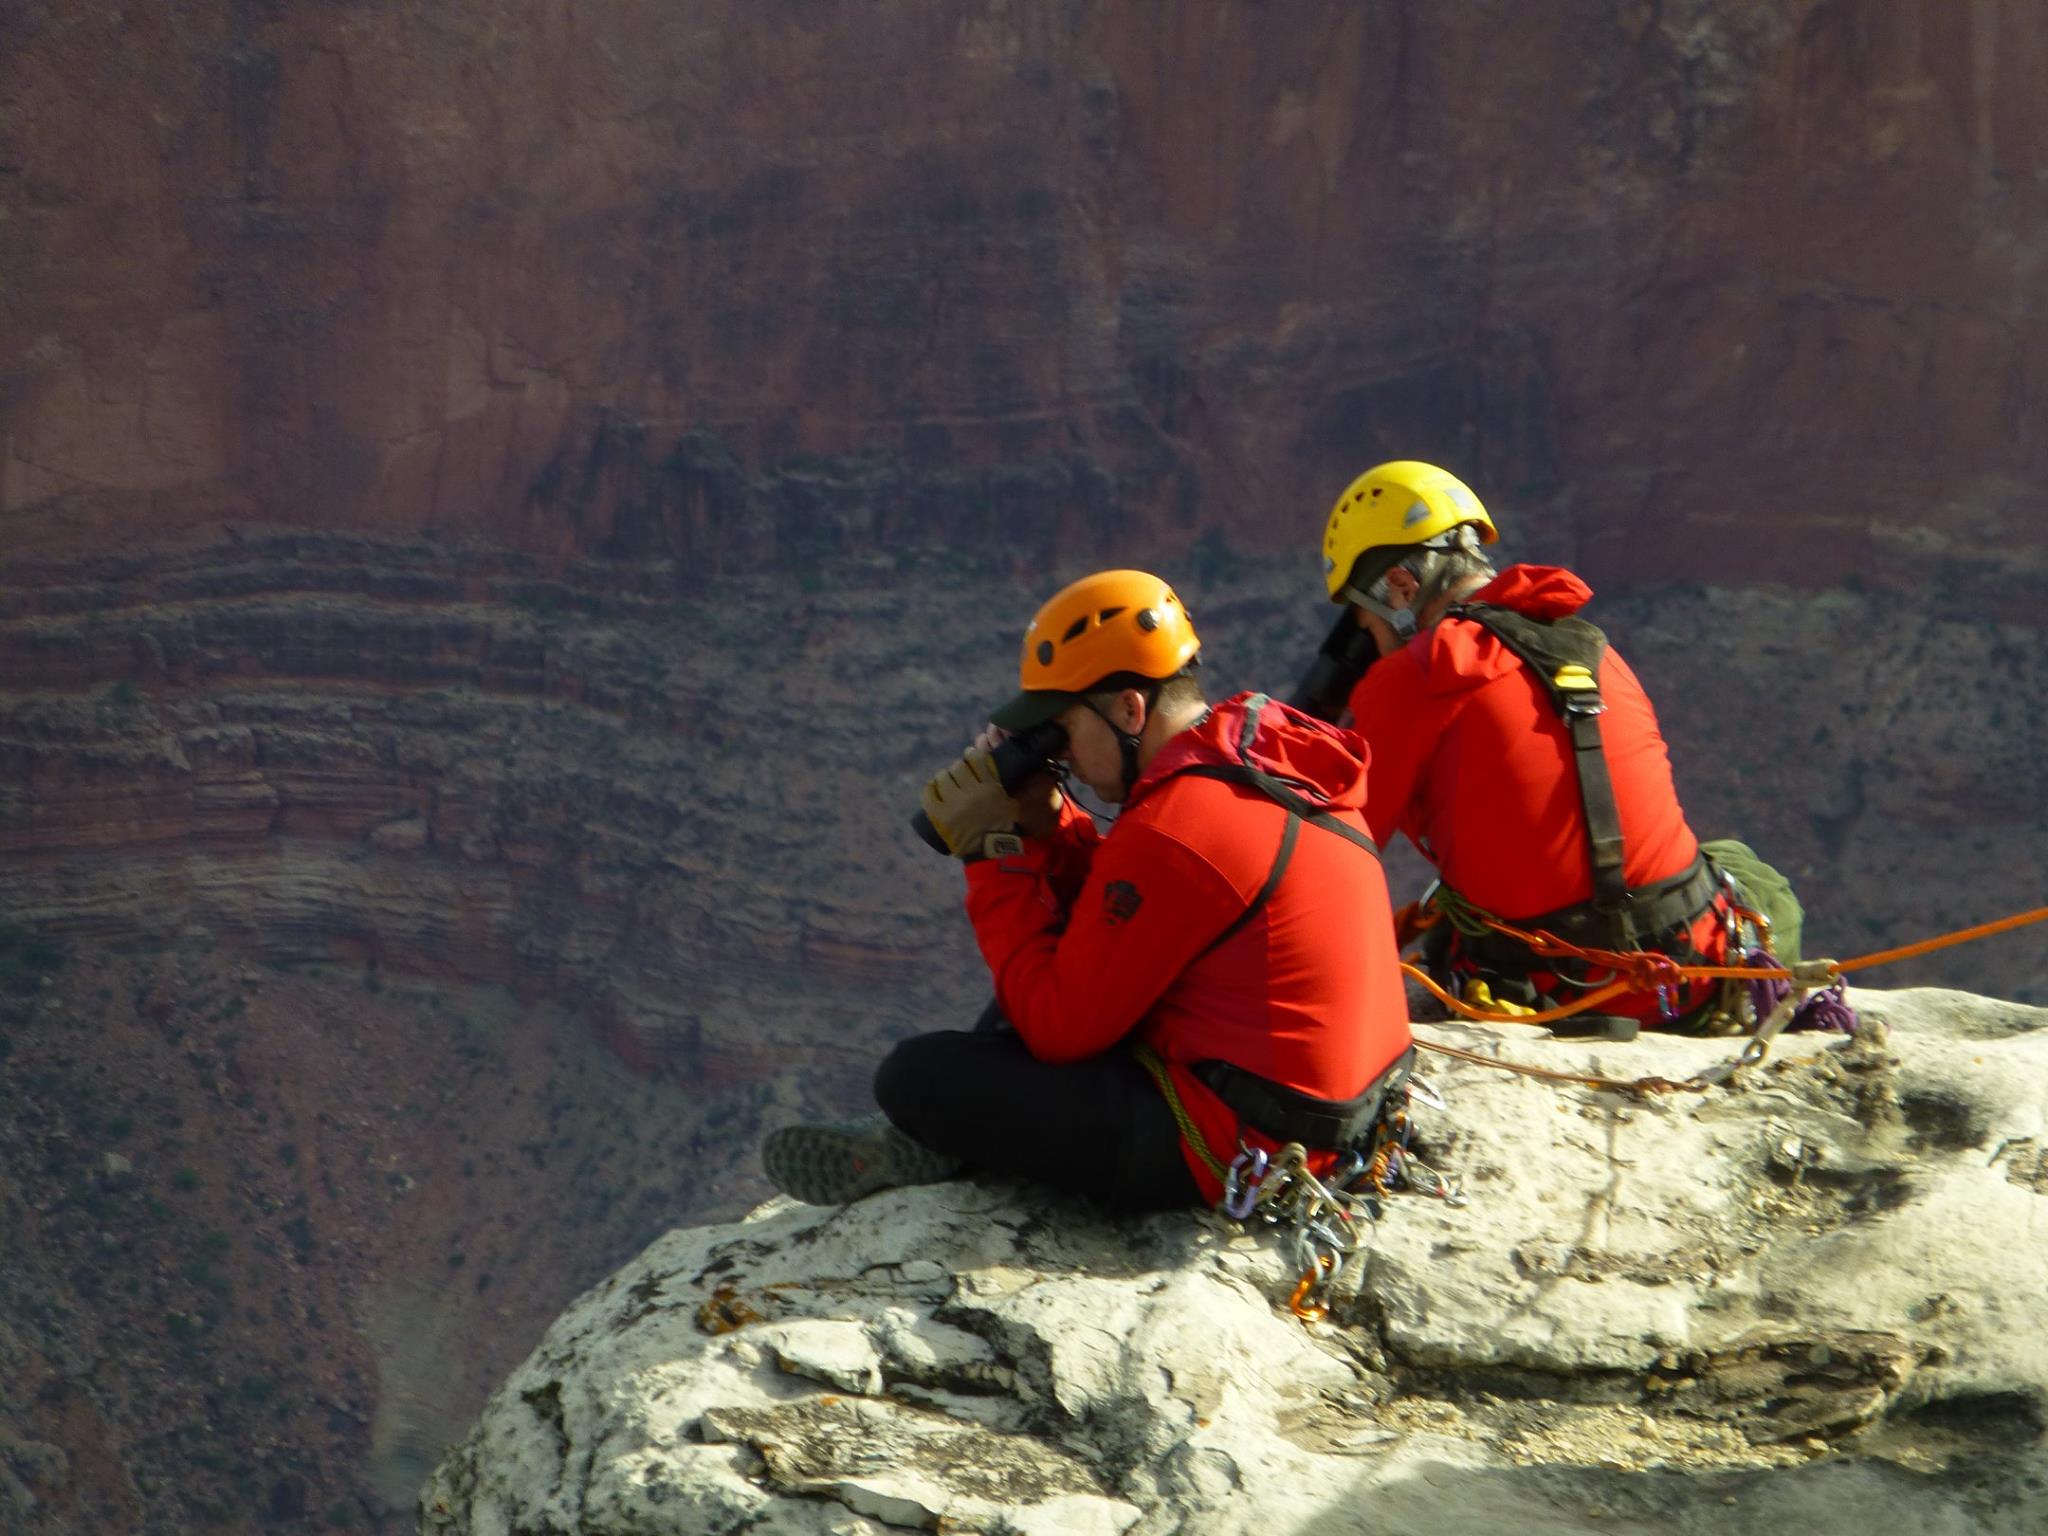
1765 889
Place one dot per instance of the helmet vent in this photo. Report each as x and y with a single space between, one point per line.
1045 653
1074 629
1107 614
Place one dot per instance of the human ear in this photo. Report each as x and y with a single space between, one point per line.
1131 705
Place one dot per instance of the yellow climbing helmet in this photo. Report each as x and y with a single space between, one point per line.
1391 505
1110 625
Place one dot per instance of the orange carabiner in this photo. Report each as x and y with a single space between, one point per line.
1309 1311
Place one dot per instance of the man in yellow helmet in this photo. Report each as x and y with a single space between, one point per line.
1516 750
1217 971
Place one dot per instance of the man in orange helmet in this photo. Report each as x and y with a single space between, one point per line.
1522 757
1215 973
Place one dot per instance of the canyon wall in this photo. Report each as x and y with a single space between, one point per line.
1696 292
506 499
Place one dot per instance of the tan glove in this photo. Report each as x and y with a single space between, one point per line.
967 802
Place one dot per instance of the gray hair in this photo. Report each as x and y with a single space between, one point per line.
1444 569
1438 565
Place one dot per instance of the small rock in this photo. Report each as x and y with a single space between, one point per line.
405 835
839 1354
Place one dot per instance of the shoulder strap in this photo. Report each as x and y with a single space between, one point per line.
1257 903
1278 791
1299 809
1565 655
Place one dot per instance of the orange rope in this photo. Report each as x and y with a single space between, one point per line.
1640 1085
1459 1005
1928 946
1643 971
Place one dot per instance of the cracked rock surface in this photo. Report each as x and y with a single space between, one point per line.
1808 1300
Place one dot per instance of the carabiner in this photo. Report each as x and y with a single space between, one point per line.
1241 1189
1307 1311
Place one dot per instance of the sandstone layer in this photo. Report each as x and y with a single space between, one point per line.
1804 1301
687 816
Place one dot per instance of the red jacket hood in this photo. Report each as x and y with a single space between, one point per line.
1540 591
1456 656
1323 763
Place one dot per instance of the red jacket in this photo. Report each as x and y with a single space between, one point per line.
1470 760
1094 937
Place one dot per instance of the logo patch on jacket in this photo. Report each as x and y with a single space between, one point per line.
1120 902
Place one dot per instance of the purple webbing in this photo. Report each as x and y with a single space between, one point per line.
1827 1008
1766 992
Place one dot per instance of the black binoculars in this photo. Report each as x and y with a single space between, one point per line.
1017 758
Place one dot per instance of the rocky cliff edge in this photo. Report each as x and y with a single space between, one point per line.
1809 1300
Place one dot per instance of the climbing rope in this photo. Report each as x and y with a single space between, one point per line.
1809 991
1945 941
1328 1218
1641 1087
1190 1133
1642 971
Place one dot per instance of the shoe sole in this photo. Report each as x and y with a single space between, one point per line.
831 1165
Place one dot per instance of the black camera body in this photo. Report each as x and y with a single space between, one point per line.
1346 652
1017 759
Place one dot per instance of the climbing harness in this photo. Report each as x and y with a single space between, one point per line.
1326 1218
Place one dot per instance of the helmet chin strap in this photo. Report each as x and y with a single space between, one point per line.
1127 744
1429 566
1400 620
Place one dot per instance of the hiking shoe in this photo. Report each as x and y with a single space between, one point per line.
842 1160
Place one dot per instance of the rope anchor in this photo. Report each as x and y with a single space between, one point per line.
1780 996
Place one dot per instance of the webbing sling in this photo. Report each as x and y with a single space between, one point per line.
1564 655
1283 1113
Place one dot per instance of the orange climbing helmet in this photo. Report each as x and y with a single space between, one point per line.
1111 626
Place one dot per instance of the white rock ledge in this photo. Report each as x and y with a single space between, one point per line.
1812 1301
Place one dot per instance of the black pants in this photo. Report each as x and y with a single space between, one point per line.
1097 1127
